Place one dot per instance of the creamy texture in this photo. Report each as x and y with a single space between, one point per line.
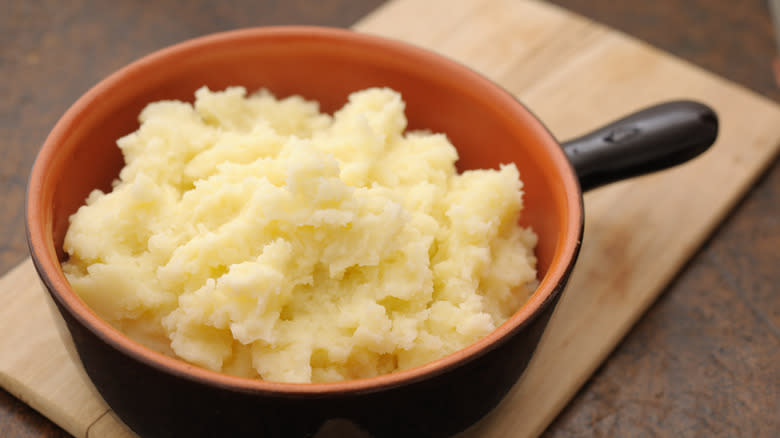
261 238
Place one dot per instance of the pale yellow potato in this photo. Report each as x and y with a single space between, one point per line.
261 238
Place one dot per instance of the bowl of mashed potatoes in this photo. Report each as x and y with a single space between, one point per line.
254 232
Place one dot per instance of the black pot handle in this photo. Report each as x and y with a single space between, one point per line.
649 140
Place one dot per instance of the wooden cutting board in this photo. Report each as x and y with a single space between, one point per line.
575 75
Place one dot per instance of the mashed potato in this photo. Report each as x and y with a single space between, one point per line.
261 238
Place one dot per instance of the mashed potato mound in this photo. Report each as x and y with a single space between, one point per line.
261 238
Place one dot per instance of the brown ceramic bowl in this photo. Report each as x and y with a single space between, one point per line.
159 396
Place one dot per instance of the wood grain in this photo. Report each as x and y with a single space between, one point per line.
38 362
575 75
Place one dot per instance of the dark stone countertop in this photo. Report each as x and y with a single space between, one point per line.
703 361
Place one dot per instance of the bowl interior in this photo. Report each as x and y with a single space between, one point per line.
486 124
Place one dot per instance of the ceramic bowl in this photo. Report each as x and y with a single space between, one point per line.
159 396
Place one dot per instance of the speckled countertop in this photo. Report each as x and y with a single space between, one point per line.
703 361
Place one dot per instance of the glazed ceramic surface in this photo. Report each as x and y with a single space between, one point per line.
160 396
